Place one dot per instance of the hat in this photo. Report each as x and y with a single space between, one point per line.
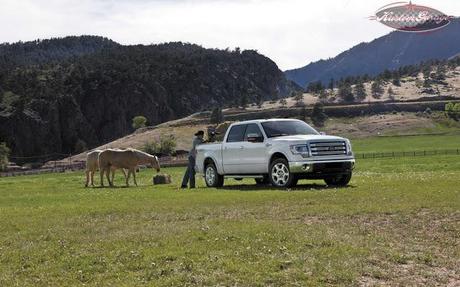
200 133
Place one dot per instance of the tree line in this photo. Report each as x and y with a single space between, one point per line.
351 89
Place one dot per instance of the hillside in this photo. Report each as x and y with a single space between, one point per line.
405 112
391 51
69 98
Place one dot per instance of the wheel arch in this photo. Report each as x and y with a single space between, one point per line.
208 160
277 155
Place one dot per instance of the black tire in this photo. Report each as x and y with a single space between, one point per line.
279 174
262 181
339 180
212 177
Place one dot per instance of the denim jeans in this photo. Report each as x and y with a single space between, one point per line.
189 173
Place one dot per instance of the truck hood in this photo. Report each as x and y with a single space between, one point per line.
308 138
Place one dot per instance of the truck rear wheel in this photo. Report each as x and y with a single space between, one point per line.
339 180
212 177
280 175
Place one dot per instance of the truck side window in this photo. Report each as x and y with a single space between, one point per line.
236 133
252 129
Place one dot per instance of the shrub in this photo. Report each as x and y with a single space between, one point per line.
139 122
453 110
166 146
150 147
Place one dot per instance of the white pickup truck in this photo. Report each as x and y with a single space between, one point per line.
276 151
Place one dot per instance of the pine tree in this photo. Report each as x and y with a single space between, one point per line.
298 98
4 153
283 102
318 117
323 95
331 85
346 93
376 89
391 94
217 116
244 101
360 91
303 114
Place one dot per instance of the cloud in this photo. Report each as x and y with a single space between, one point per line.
291 32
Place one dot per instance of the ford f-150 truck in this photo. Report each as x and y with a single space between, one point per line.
276 151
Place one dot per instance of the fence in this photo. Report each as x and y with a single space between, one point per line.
182 161
63 166
397 154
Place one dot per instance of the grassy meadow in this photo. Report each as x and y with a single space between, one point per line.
397 223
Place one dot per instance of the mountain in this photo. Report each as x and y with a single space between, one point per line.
391 51
62 97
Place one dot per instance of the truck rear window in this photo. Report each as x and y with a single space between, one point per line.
287 128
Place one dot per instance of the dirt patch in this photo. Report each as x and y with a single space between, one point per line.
378 125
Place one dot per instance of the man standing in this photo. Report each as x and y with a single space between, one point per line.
190 172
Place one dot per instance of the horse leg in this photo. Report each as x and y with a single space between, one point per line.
107 174
92 177
102 176
134 176
112 170
87 178
127 178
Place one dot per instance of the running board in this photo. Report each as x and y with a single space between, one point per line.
244 176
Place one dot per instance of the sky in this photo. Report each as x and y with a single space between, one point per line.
292 33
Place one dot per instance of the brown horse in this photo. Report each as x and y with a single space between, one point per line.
126 159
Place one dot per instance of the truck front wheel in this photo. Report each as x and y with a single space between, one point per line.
212 177
339 180
279 175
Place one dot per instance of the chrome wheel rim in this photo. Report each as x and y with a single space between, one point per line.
280 174
210 175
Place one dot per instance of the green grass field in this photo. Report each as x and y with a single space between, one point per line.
396 224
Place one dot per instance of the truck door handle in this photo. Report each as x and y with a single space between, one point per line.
268 145
241 147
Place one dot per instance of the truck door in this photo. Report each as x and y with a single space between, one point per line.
232 149
253 155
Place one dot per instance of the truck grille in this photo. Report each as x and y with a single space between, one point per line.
325 148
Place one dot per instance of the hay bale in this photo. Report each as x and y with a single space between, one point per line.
162 179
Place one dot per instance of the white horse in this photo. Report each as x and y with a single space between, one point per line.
92 165
126 159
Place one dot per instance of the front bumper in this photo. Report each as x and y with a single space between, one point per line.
322 167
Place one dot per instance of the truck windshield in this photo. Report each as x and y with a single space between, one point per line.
287 128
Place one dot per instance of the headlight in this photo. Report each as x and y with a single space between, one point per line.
349 150
300 149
